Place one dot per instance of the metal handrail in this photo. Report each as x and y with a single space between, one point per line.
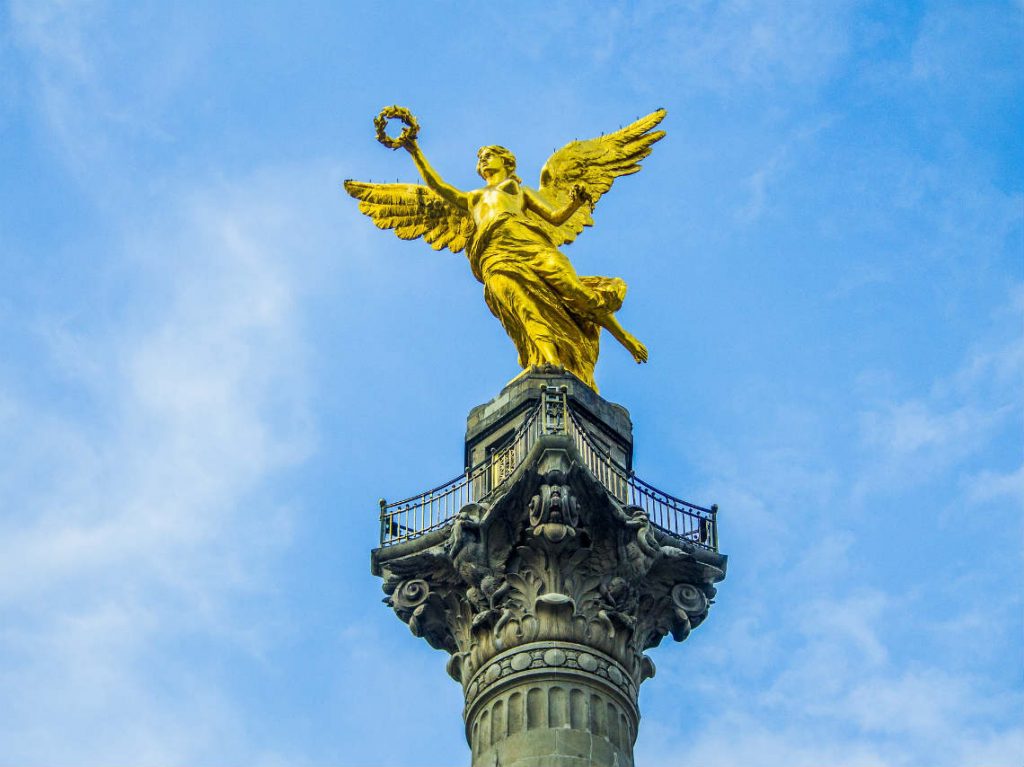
675 516
419 496
600 462
672 515
420 514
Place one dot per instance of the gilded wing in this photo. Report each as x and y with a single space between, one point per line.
594 164
413 210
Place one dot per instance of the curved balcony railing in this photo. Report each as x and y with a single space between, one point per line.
418 515
672 515
412 517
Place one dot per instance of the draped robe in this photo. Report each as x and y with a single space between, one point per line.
534 291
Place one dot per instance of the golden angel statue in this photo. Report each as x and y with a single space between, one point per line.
511 234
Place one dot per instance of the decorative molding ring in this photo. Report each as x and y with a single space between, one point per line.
541 657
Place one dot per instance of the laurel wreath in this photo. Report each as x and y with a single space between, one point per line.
408 134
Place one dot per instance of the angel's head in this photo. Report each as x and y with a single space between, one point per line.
495 161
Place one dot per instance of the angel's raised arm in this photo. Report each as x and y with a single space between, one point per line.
445 191
589 168
551 214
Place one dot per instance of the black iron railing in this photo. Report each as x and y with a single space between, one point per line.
432 510
673 515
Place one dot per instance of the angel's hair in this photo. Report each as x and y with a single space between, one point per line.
505 156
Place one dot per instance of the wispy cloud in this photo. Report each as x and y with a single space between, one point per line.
134 523
92 101
833 697
161 407
816 661
912 439
742 44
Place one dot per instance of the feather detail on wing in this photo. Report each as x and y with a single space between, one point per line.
413 210
594 164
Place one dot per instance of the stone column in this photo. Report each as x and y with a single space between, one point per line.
548 586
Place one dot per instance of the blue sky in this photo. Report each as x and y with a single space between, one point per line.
213 366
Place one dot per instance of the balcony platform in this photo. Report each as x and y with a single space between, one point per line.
500 434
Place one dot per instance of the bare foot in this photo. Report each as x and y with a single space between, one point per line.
637 349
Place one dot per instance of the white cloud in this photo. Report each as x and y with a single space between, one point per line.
987 486
833 695
137 519
828 656
96 94
911 439
906 428
721 45
963 42
133 519
703 45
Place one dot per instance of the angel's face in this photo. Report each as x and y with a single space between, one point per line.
491 167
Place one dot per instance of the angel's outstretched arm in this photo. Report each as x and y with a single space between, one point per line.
556 216
447 192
